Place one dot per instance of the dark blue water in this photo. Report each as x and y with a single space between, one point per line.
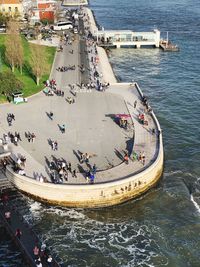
161 228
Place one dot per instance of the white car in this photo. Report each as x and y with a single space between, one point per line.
75 30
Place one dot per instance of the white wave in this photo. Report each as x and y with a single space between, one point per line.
35 206
195 203
71 213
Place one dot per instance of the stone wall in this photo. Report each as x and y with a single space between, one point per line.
96 195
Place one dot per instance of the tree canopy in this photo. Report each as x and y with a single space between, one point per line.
38 62
3 19
9 83
14 49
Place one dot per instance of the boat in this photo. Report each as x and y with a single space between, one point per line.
168 46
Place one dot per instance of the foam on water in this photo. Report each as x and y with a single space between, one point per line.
195 204
113 240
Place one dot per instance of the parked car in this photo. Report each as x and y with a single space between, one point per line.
75 30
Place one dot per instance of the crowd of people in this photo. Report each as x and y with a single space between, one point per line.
41 255
66 68
60 170
52 89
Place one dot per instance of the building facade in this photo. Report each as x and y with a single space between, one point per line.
126 38
12 7
44 10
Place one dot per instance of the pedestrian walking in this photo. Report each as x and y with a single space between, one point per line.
5 199
29 137
18 233
18 136
36 252
56 145
69 167
74 173
49 261
135 103
38 263
43 250
140 157
51 115
87 156
126 159
92 178
33 136
94 169
143 158
81 158
63 128
53 145
8 216
65 175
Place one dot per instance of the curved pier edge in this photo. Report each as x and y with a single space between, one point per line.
91 196
91 204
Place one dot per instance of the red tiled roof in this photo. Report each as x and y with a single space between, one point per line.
10 2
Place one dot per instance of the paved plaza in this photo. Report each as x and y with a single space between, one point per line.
89 122
90 125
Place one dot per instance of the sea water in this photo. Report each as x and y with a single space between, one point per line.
161 228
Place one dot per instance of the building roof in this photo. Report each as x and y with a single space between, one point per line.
10 2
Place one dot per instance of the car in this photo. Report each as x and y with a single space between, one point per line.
2 29
75 30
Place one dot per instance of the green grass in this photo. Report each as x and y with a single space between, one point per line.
26 77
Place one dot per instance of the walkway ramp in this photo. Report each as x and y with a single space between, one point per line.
28 239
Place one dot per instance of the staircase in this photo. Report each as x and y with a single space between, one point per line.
5 185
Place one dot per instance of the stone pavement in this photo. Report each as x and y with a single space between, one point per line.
100 138
54 41
90 20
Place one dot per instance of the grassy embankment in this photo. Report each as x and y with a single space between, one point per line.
26 77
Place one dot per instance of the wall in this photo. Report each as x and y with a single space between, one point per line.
96 195
4 8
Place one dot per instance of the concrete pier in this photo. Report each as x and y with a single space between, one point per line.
90 127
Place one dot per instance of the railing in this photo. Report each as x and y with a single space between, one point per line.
17 241
26 254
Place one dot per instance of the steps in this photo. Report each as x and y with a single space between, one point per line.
4 182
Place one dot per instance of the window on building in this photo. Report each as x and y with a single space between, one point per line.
9 9
3 9
16 9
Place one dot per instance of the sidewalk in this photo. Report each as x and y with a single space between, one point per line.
54 42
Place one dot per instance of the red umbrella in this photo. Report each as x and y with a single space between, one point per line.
123 116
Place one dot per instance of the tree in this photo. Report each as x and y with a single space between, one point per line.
3 19
20 54
10 51
9 83
14 49
38 62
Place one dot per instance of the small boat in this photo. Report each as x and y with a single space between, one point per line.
167 46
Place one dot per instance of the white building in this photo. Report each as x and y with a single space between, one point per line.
126 38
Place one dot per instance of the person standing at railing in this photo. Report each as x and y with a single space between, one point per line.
49 261
18 233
